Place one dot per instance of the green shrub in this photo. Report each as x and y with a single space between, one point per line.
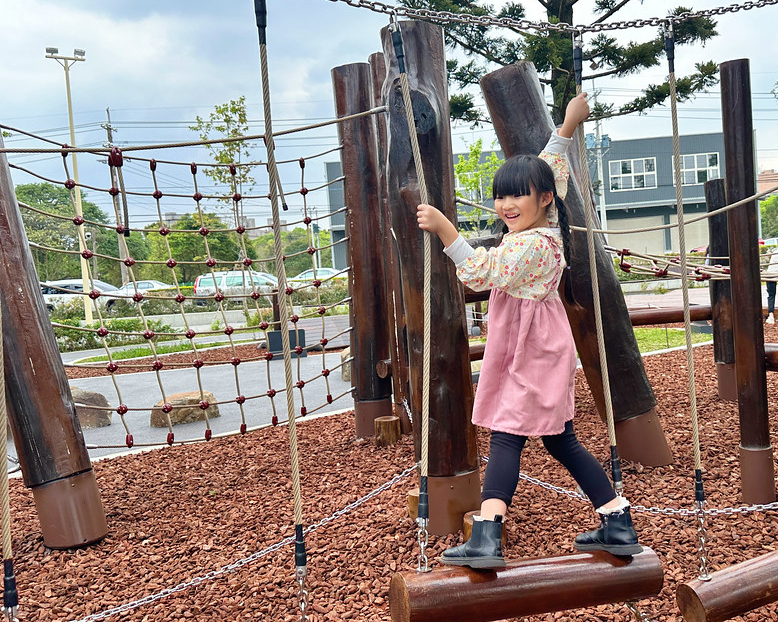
70 339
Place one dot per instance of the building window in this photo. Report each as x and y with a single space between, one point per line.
697 168
638 174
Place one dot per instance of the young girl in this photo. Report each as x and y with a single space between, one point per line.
527 375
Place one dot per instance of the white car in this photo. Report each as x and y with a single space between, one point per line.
232 282
62 291
128 289
323 274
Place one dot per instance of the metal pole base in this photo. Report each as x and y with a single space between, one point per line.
727 381
641 439
756 474
450 499
365 414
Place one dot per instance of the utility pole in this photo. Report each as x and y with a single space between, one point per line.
123 251
66 62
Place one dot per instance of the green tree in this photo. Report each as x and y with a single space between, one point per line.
769 209
551 52
188 245
228 121
475 173
294 242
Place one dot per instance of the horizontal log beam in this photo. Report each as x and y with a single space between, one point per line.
731 591
524 587
669 315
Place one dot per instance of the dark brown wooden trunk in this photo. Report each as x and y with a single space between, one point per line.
756 456
453 448
398 350
721 292
525 587
523 125
730 592
46 431
352 85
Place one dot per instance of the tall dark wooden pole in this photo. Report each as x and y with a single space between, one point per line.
721 292
46 431
454 483
369 339
756 454
398 352
523 125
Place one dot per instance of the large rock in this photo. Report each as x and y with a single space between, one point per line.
93 409
345 368
190 411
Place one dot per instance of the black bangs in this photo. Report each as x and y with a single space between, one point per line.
519 174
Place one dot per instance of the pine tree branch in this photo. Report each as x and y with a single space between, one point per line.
606 15
481 52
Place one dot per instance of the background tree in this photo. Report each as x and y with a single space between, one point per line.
475 173
769 208
292 241
186 246
551 52
228 121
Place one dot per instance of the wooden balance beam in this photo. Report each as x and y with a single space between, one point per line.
524 587
730 592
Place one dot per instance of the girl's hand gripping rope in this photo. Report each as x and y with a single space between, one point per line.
576 112
432 219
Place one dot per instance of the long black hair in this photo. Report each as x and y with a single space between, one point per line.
516 177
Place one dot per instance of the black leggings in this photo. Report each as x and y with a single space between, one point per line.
502 471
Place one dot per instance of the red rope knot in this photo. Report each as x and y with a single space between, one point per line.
300 384
660 272
153 164
240 230
119 229
322 310
269 357
247 261
289 290
180 298
94 294
325 372
113 191
205 404
269 196
302 162
78 220
311 250
102 331
64 153
128 440
272 392
115 158
210 262
171 263
316 283
87 254
111 367
303 411
190 334
129 262
228 330
203 231
307 220
170 437
274 420
157 194
208 434
233 169
243 428
294 319
235 361
148 334
298 350
137 296
624 265
329 398
157 365
197 197
218 297
198 363
263 325
303 191
324 342
726 270
255 295
122 409
70 184
241 399
163 230
193 168
167 407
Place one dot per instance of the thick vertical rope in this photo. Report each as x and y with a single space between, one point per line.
687 325
10 596
423 514
589 210
276 192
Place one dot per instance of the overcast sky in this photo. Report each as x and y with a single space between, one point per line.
158 65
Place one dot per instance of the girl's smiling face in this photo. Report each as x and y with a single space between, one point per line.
522 212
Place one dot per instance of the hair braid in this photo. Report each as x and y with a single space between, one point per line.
567 241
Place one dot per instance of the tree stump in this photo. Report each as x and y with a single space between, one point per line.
387 430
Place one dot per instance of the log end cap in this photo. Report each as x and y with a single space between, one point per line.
689 603
399 604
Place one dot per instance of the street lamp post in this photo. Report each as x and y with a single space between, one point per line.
66 62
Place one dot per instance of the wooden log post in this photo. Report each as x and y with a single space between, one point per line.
523 125
454 483
398 350
524 587
756 453
721 292
730 592
369 338
49 442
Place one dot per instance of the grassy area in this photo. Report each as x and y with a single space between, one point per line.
651 339
141 351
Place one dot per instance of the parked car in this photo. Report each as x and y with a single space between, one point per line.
65 290
233 282
143 286
321 273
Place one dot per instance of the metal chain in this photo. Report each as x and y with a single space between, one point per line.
214 574
408 410
423 539
302 593
702 537
636 612
562 27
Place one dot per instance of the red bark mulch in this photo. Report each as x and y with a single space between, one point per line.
178 513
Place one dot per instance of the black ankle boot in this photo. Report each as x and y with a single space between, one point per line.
616 535
482 550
